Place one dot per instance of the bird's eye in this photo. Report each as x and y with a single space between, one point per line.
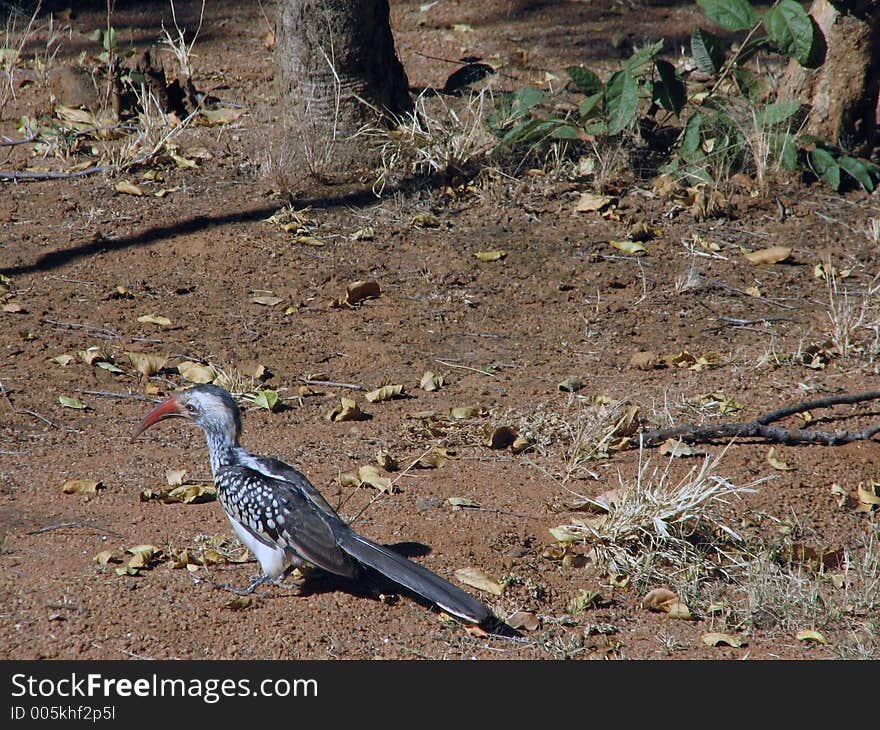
191 407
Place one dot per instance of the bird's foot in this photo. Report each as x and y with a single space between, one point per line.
255 583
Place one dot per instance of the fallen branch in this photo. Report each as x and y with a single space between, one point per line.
14 176
761 428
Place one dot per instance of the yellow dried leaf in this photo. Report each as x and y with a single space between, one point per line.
776 462
81 486
363 234
714 638
425 220
520 444
240 603
386 461
371 476
491 255
386 392
644 231
104 557
501 438
346 410
127 188
458 502
481 580
460 413
676 448
591 203
196 373
309 241
630 247
349 480
810 635
154 319
868 497
268 300
145 363
175 477
431 381
771 255
222 115
570 385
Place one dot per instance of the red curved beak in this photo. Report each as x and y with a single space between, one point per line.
166 409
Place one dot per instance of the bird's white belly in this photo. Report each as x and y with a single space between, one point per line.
273 560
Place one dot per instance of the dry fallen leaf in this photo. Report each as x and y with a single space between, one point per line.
630 247
591 203
431 381
425 220
776 462
715 638
675 448
371 476
196 373
481 580
491 255
386 461
154 319
358 291
69 402
501 438
460 413
221 116
128 188
810 635
570 385
346 410
240 603
771 255
523 620
386 392
81 486
267 300
459 502
145 363
662 599
868 497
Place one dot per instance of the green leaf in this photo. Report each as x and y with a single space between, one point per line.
638 63
708 51
586 81
690 141
791 29
730 14
785 150
669 91
523 100
267 399
565 131
826 168
778 112
588 105
621 101
748 83
857 169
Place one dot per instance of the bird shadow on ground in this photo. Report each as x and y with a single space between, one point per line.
370 585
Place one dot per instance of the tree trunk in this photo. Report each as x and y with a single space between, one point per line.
337 72
842 93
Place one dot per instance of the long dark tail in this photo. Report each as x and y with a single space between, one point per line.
417 578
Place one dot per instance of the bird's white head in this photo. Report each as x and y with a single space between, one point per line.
209 406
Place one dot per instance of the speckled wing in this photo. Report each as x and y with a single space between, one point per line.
268 506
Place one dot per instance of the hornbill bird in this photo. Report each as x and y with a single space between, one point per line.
282 518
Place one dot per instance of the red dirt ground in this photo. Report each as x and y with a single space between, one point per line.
504 334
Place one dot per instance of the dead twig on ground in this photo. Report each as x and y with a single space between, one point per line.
34 414
761 428
62 525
